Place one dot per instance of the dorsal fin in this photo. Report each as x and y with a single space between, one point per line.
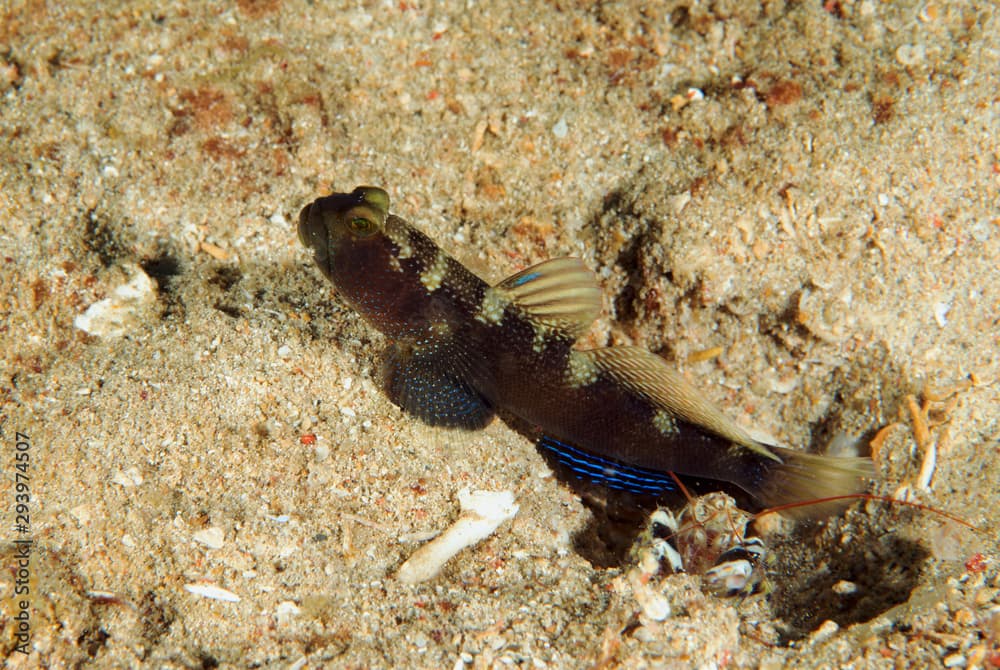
561 292
650 376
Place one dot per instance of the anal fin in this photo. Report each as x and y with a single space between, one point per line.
425 384
606 472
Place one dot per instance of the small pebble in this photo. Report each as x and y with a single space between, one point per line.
954 661
561 129
845 588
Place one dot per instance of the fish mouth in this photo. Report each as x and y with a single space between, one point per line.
313 234
304 225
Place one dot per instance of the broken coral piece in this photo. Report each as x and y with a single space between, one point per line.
482 513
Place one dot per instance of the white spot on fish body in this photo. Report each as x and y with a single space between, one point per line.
580 370
665 422
400 236
493 306
542 333
432 277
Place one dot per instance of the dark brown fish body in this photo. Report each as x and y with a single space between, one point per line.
461 349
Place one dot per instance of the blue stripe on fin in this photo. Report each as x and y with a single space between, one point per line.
606 472
526 278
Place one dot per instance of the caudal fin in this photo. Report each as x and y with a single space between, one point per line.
802 477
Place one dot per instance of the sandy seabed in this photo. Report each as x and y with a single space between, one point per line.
797 203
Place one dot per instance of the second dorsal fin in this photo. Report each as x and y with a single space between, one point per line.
561 292
649 375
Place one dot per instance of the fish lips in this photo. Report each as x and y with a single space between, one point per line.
314 235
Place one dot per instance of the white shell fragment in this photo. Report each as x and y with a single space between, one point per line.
941 310
927 467
212 592
482 512
129 478
212 537
655 605
114 316
286 611
561 129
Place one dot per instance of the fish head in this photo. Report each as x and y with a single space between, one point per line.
355 243
344 225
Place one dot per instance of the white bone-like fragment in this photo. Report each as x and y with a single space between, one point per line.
482 512
212 591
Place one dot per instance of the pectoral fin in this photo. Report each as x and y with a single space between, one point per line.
429 384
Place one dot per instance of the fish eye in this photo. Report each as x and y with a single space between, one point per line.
362 227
